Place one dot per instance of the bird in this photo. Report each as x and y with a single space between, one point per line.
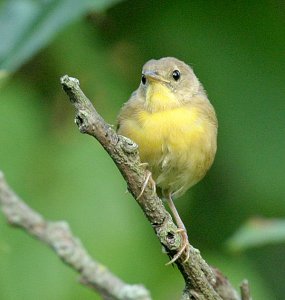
175 126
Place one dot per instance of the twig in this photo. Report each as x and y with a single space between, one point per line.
245 291
202 282
59 237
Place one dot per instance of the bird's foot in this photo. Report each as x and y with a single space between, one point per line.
144 165
184 249
148 179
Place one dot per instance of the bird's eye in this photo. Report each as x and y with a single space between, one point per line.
176 75
143 79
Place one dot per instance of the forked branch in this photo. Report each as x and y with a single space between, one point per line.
58 236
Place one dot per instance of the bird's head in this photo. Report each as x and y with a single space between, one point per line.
167 83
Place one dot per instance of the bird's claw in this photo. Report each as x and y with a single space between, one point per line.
185 248
148 178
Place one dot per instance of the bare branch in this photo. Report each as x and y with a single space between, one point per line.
202 282
245 291
59 237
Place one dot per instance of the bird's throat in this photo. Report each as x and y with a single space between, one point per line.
159 97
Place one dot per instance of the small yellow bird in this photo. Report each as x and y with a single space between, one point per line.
175 127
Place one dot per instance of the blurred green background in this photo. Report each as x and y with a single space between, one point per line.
237 49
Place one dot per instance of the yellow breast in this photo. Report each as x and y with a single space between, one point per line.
178 144
167 130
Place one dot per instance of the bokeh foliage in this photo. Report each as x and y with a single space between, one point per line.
237 49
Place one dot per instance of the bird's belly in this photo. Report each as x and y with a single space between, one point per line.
177 146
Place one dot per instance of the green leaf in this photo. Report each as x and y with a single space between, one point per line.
258 232
26 26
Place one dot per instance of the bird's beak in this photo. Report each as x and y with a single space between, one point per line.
153 76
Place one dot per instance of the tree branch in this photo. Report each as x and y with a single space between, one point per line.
245 291
59 237
201 281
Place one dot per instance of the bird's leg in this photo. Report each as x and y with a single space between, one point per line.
185 246
148 178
